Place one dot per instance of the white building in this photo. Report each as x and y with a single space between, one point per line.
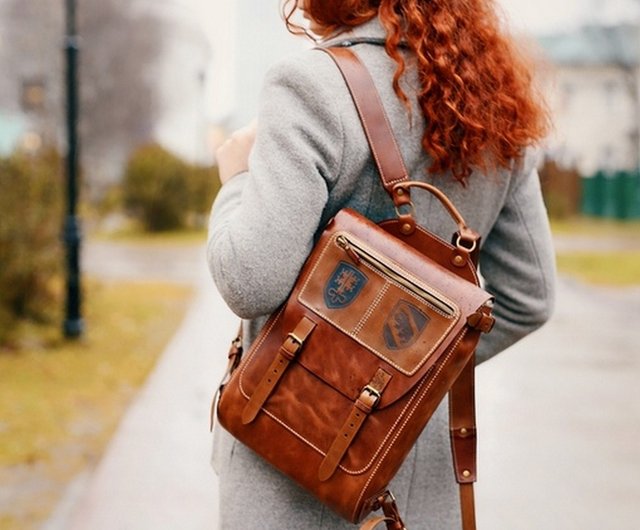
261 39
183 81
30 88
595 98
249 36
596 115
31 54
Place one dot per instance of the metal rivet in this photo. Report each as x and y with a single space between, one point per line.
400 191
466 473
463 431
458 261
406 228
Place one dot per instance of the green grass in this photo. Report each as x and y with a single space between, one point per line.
137 236
60 401
131 231
617 269
595 227
614 268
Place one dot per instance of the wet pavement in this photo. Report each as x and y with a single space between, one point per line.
559 419
558 415
130 261
155 473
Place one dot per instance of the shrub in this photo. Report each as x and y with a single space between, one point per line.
155 188
204 184
166 193
30 245
561 189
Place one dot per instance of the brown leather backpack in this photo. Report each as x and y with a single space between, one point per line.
382 322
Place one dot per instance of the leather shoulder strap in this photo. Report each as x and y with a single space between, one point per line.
374 119
392 170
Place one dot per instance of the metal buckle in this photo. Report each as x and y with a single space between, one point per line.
295 339
373 393
391 495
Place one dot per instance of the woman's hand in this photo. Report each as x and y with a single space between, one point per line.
233 154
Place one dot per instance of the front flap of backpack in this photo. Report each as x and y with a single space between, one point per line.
378 303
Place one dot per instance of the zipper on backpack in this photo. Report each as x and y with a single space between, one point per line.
352 249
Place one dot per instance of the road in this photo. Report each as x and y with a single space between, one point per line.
558 416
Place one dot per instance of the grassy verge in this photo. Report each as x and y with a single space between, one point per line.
616 268
60 401
130 231
594 227
139 237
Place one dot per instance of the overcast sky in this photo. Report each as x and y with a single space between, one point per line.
535 16
546 16
215 19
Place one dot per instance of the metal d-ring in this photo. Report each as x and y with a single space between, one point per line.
464 248
411 213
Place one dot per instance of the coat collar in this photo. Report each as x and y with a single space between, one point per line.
372 29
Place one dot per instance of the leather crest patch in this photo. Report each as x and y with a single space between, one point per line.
344 285
404 325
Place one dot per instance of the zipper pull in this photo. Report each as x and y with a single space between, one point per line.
343 243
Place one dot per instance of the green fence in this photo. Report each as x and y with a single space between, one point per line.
612 195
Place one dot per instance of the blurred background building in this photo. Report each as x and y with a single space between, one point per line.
186 72
260 40
595 99
145 76
183 80
30 91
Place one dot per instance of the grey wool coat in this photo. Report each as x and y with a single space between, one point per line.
309 160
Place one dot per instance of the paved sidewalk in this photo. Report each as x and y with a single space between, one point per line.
155 473
559 420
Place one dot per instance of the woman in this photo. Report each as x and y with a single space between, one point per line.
463 111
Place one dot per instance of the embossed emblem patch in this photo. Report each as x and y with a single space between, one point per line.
343 286
404 325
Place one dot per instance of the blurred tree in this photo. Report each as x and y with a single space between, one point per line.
119 50
156 188
30 250
164 192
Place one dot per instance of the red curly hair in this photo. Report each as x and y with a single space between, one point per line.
476 92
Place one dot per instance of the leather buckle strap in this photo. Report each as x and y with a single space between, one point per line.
391 517
234 356
482 320
463 440
375 123
362 407
463 425
468 507
287 352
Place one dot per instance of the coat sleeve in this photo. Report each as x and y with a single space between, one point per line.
263 222
518 264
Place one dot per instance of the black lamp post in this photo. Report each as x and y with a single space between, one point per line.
73 323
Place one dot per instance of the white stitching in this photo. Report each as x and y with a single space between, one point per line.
353 334
373 146
377 467
365 126
412 277
257 344
372 308
428 379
